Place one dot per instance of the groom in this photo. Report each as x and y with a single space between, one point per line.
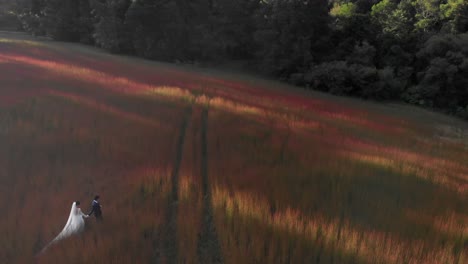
96 208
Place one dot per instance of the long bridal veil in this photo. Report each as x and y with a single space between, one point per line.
74 225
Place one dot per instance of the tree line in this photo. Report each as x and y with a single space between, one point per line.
410 50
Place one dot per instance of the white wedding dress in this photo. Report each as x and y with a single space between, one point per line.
74 225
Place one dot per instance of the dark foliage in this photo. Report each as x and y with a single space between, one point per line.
412 50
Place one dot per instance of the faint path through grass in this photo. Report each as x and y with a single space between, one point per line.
209 250
170 232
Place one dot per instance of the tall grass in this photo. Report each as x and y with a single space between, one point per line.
293 177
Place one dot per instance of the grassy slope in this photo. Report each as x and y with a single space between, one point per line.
197 166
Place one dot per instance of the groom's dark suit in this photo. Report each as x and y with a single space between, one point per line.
96 209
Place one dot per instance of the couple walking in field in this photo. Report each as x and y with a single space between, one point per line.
76 223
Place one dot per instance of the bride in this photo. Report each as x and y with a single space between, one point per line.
74 225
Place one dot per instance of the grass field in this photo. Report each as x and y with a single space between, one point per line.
201 166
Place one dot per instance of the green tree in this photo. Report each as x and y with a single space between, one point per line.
344 10
68 20
428 19
109 30
443 74
233 24
455 12
287 32
29 13
395 20
8 15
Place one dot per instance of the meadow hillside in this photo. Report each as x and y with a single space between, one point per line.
197 165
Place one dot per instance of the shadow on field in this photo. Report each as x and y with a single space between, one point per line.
374 200
209 250
381 200
170 243
255 241
20 82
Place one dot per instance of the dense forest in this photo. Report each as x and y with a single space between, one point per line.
410 50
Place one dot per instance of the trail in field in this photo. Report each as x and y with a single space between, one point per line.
209 250
170 232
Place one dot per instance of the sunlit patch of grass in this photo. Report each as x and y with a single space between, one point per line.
259 114
189 218
450 224
150 183
231 106
115 83
239 108
170 92
335 175
371 246
440 171
107 108
122 84
22 42
247 98
363 121
186 188
80 73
